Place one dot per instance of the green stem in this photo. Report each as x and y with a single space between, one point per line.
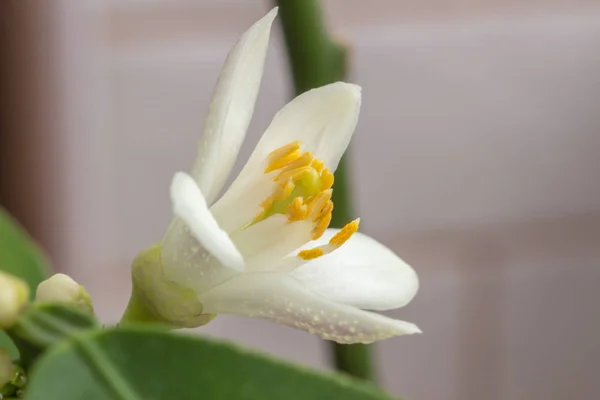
137 311
317 60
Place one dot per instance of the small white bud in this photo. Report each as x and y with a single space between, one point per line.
61 288
14 295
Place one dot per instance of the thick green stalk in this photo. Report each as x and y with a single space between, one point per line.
137 311
316 60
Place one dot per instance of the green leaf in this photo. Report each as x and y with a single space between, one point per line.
7 343
43 325
19 254
133 363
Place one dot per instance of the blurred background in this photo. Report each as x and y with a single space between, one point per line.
476 159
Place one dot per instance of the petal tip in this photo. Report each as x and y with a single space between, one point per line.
408 328
352 89
178 184
269 17
236 263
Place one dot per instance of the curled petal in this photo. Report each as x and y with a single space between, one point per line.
190 207
362 273
282 299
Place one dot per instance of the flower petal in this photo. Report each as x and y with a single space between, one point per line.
231 108
322 119
266 242
282 299
362 273
234 211
189 205
185 262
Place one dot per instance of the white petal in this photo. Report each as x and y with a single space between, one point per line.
282 299
235 210
266 242
362 273
190 206
322 119
58 288
187 263
231 108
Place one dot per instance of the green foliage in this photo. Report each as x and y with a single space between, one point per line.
145 363
19 255
6 343
43 325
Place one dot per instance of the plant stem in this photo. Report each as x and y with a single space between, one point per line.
317 60
137 311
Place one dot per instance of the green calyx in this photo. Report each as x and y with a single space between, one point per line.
12 376
84 300
157 300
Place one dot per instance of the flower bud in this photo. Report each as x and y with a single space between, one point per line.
14 295
61 288
155 299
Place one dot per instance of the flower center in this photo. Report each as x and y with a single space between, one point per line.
302 188
303 192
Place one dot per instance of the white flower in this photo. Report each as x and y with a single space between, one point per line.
263 248
61 288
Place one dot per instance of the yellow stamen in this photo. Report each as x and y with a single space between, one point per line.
302 161
322 225
328 208
293 174
282 156
317 164
317 203
302 191
297 210
345 233
284 190
326 179
311 254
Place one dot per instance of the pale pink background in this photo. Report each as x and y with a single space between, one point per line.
476 159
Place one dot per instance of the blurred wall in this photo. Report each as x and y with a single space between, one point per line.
475 159
31 117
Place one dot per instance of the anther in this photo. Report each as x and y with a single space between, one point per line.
345 233
311 254
293 174
317 164
282 156
317 203
326 179
322 225
303 161
297 210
